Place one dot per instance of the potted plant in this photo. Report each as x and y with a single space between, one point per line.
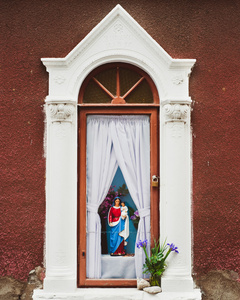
155 264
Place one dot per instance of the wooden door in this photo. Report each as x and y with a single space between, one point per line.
84 111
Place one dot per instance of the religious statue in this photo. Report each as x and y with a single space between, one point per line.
119 227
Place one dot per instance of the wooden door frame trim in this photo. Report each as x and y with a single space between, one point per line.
83 112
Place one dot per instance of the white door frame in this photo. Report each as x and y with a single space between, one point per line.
117 38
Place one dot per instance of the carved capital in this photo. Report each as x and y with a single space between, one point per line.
61 112
176 112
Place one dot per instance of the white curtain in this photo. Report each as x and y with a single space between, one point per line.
101 168
113 141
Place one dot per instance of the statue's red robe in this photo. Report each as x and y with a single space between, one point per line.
114 216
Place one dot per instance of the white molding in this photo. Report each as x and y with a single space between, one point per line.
117 38
116 294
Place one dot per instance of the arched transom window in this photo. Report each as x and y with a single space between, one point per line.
118 83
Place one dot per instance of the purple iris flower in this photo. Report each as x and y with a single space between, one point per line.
142 243
133 217
136 213
173 248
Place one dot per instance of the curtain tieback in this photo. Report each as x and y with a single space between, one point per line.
92 208
144 212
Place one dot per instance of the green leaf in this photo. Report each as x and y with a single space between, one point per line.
123 190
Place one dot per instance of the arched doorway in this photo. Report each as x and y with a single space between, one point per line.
133 45
122 100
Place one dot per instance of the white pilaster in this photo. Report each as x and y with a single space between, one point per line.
175 201
61 197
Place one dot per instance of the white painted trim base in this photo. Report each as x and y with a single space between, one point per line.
59 284
116 294
177 284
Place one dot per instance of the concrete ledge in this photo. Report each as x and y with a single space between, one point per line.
116 294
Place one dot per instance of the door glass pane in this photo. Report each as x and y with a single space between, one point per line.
108 79
126 264
94 94
117 145
141 94
127 79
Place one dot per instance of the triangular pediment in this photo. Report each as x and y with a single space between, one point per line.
118 37
118 30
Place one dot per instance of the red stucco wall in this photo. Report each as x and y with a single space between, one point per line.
206 30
